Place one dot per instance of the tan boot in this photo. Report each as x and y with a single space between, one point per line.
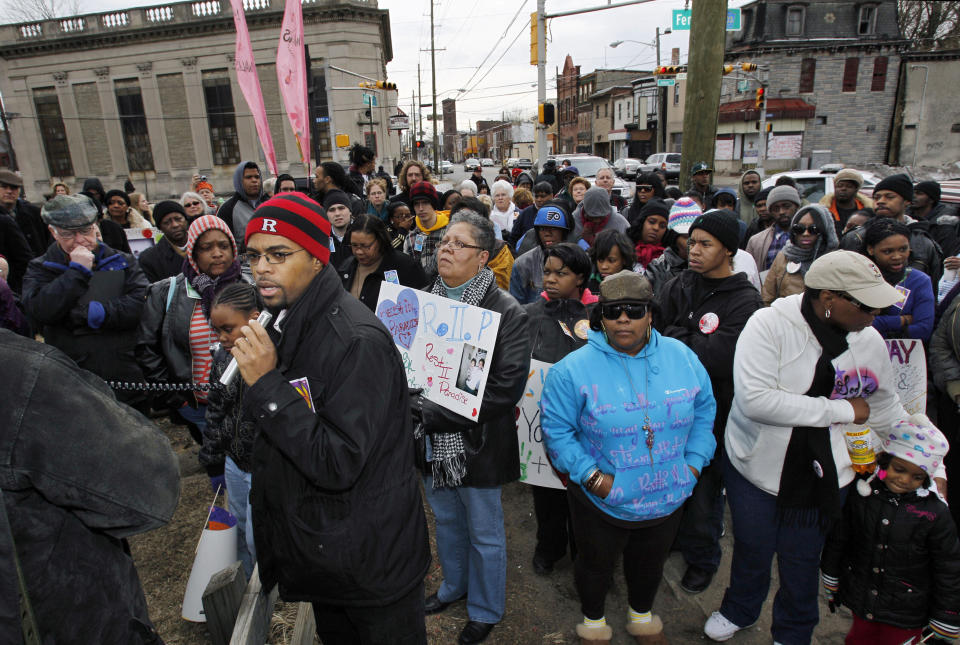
594 635
648 633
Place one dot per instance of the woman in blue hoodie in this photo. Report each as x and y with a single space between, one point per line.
630 418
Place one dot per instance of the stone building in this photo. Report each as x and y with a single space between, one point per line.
831 85
150 93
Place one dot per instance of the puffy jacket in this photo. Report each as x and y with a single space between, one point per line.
526 281
492 450
337 513
920 304
897 558
773 367
409 274
945 351
79 473
780 282
558 327
229 429
732 301
58 295
592 418
663 269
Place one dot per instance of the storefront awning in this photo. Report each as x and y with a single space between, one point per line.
776 109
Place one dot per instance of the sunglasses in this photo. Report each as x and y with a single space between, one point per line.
633 311
190 204
859 305
645 189
800 229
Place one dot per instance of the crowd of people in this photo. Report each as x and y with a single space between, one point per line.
707 348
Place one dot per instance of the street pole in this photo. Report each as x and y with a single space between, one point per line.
541 78
419 118
661 108
433 74
704 80
413 130
762 148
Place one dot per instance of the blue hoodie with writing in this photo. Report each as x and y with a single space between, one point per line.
593 408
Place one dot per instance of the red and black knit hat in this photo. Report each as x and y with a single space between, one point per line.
297 218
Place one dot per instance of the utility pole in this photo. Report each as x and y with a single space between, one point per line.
419 118
433 74
762 148
541 79
413 130
661 144
704 81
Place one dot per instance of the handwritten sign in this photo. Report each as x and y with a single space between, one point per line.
534 467
909 363
446 346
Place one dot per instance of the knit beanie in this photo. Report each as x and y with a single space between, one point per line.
654 207
425 190
334 197
783 194
899 184
116 193
682 214
929 188
721 226
596 203
763 195
166 207
200 226
205 184
918 441
297 218
849 174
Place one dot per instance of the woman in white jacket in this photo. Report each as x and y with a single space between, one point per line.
803 368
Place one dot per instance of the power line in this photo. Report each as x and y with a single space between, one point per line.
496 44
494 66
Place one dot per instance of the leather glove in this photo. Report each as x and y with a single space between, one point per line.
218 483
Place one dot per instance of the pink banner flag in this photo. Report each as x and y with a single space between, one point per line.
250 84
292 76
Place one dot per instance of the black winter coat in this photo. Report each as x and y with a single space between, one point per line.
733 301
79 473
409 274
56 296
337 513
230 429
29 220
15 248
161 261
897 558
492 450
549 341
925 254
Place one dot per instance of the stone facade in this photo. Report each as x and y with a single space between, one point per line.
172 52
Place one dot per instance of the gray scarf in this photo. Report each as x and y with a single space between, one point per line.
449 457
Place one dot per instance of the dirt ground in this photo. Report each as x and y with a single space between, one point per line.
540 610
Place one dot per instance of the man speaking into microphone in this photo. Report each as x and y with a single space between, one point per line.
337 516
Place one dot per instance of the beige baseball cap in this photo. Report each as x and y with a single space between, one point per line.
853 274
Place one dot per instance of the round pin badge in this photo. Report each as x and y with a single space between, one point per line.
793 267
709 323
817 469
581 328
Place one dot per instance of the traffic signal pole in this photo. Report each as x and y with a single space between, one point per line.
762 148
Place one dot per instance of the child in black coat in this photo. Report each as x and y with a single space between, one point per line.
894 559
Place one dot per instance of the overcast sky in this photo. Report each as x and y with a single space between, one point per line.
470 31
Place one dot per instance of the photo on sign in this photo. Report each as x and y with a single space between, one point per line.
473 365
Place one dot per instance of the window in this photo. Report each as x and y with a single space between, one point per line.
850 68
808 70
879 81
794 21
606 109
598 111
620 111
52 132
676 94
320 111
867 24
221 118
133 124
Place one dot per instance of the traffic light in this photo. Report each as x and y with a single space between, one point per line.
670 70
533 39
759 101
546 114
420 144
384 85
748 67
727 69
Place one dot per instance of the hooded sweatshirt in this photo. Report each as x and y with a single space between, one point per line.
238 210
593 417
748 210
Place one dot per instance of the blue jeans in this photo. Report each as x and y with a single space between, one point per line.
197 416
238 501
758 534
472 545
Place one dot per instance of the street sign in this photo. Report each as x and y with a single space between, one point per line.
743 86
682 19
666 82
399 122
682 76
370 99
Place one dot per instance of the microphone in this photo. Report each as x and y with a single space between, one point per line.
231 372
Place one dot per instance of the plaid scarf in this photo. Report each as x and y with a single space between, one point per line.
449 463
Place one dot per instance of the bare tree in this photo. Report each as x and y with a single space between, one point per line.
37 10
930 23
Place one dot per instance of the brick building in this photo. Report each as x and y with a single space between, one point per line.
567 106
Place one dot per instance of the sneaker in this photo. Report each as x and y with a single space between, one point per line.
718 628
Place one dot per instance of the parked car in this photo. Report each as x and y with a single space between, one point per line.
626 167
486 161
814 184
524 164
588 165
668 162
511 162
446 166
470 164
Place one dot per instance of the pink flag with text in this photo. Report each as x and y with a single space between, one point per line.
250 84
292 76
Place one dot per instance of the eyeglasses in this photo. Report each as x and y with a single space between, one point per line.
404 217
72 233
272 257
645 188
457 245
191 204
362 247
859 305
800 229
633 311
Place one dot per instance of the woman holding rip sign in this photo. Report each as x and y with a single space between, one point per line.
466 461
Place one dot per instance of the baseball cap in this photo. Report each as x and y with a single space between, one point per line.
853 274
700 166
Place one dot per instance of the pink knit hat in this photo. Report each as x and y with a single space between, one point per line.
200 226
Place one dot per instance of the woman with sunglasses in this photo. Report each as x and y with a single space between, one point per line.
374 260
194 205
887 242
648 187
812 234
803 367
629 417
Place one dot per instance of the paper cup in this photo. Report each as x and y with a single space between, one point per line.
217 551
